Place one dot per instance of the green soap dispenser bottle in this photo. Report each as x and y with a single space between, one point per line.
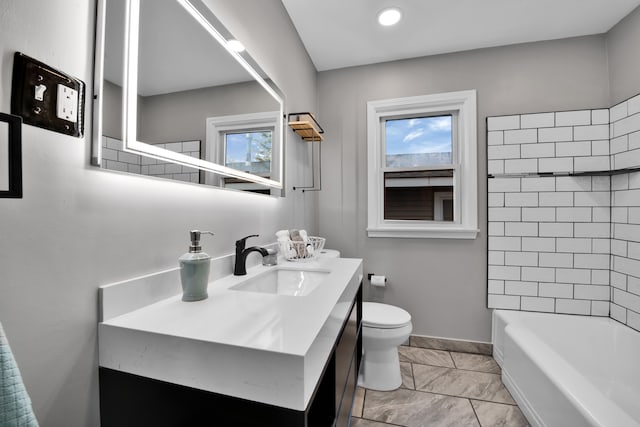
194 269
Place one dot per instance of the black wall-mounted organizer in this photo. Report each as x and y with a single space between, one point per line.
13 167
305 125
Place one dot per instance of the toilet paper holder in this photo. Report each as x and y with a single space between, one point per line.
370 275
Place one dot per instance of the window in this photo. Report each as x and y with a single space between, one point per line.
243 142
422 166
418 166
249 151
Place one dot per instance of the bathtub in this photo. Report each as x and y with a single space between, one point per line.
566 371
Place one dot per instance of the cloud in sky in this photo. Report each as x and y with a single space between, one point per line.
413 135
419 135
440 124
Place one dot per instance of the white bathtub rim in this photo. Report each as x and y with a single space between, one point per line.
582 394
508 317
615 342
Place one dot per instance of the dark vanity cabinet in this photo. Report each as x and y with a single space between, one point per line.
132 400
348 354
333 400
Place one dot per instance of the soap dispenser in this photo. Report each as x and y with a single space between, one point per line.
194 269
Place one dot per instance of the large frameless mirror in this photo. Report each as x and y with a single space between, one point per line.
175 99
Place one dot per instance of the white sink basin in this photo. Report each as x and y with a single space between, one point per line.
281 281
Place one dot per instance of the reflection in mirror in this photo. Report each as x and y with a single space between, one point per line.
194 102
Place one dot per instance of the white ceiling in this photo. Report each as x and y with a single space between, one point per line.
344 33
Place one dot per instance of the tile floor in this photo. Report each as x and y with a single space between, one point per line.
440 388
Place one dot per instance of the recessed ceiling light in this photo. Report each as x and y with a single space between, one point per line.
235 45
389 16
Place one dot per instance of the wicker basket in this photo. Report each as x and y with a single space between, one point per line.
302 251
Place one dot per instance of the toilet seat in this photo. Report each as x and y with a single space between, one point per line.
384 316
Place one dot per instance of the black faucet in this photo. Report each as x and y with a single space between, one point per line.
240 268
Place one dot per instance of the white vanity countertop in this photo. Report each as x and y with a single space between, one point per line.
258 346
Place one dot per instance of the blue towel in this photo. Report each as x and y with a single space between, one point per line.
15 405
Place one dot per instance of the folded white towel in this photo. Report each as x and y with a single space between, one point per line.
295 235
282 234
286 248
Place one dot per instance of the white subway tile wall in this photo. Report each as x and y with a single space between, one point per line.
566 141
549 247
566 244
116 159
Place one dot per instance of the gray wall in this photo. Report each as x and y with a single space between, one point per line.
181 116
623 42
79 227
442 283
112 110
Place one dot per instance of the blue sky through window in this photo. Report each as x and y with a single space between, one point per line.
248 146
418 141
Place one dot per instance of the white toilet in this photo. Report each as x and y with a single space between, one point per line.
384 328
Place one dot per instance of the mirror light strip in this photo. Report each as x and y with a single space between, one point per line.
130 142
98 85
193 11
130 77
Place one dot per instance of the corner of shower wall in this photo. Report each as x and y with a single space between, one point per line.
625 213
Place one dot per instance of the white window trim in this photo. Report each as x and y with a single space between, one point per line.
466 225
438 204
218 126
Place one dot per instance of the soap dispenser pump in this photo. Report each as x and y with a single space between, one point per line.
194 269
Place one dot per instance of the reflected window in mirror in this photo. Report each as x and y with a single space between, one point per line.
244 142
249 151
